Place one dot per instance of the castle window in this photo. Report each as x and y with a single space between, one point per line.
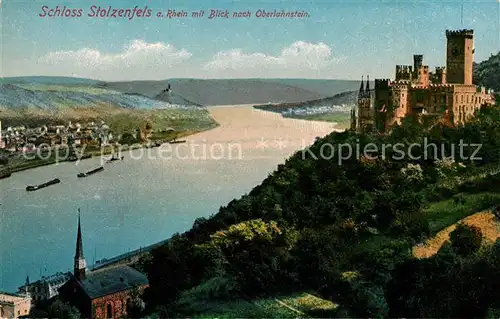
462 98
109 311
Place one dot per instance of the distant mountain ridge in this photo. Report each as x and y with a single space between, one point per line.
54 80
210 91
240 91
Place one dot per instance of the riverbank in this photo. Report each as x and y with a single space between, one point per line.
140 202
23 163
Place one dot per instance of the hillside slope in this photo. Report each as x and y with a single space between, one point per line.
34 104
337 228
54 97
219 92
486 221
487 73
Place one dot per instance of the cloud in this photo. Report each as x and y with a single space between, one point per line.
300 59
138 60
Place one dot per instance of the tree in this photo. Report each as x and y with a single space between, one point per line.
128 139
62 310
134 305
255 253
466 239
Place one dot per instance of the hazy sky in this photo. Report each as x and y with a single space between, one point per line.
339 40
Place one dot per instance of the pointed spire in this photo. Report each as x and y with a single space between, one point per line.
367 90
79 244
361 87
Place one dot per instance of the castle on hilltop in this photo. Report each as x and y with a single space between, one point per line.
447 94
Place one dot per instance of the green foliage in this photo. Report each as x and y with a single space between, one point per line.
253 251
314 220
487 73
61 310
128 139
466 239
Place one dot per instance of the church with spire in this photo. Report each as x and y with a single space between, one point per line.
362 119
102 293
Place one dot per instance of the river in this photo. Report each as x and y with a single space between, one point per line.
143 199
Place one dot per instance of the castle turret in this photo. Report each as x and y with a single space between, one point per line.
459 56
367 89
80 264
353 120
364 116
361 89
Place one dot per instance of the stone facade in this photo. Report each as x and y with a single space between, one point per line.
446 93
14 306
112 306
45 288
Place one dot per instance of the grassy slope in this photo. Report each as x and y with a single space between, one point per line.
34 104
300 305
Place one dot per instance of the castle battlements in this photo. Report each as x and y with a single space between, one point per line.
416 90
404 67
468 33
399 84
446 88
382 84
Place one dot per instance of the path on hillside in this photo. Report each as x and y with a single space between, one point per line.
486 221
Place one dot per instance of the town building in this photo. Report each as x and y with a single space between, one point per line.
46 288
103 293
14 306
447 93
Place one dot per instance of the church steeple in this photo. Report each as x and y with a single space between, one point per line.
361 86
367 90
80 265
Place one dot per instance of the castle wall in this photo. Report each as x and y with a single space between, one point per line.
422 75
448 92
400 100
117 302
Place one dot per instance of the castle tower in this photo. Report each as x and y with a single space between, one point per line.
418 60
361 90
353 120
459 56
365 116
80 264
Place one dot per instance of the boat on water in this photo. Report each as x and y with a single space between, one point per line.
96 170
5 174
176 141
37 187
114 158
76 158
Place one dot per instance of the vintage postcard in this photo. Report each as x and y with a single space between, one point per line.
249 159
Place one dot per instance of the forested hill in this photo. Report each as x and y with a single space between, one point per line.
487 73
343 228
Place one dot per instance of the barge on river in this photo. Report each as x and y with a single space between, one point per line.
99 169
37 187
